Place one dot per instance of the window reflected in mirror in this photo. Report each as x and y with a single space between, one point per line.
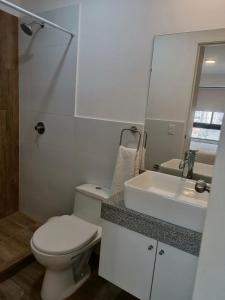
206 130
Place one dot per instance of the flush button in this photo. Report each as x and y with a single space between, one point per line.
171 129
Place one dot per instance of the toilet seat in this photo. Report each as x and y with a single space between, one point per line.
64 234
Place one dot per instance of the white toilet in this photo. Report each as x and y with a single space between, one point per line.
64 244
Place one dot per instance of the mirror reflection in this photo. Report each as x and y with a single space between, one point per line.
186 104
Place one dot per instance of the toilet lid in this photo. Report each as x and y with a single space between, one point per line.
64 234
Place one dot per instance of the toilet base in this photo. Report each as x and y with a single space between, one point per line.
60 284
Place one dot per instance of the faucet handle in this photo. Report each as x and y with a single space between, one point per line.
190 154
201 186
181 165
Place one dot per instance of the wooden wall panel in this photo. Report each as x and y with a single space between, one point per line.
9 114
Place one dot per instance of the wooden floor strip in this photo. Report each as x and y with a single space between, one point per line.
16 231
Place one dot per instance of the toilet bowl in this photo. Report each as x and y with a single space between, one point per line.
63 245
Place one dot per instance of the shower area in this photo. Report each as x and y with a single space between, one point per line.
15 227
25 38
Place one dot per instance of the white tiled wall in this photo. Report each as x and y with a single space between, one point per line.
96 145
47 93
72 150
161 146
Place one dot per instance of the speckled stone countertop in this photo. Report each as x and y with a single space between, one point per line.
176 236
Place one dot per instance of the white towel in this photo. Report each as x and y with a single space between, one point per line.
127 166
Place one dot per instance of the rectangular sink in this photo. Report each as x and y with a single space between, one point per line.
169 198
201 171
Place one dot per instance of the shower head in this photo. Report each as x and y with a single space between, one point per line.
28 28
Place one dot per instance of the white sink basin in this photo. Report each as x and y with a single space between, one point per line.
200 171
169 198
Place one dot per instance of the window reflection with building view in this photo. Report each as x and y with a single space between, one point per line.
207 125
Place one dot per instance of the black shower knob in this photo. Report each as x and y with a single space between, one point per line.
40 127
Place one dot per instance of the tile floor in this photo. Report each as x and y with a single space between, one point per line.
26 285
15 233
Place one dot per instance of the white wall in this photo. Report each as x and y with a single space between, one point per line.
72 150
162 146
102 42
47 93
113 64
114 58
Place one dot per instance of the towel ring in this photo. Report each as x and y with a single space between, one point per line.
134 130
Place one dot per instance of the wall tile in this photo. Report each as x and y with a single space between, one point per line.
96 146
46 173
73 150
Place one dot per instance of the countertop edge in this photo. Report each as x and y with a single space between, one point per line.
173 235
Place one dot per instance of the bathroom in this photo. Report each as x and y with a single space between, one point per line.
85 88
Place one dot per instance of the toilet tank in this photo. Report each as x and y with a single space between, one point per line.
87 202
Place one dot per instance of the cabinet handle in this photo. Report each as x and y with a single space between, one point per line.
150 248
161 252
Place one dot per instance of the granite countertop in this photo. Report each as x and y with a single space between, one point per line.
176 236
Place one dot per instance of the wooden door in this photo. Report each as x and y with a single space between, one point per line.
9 119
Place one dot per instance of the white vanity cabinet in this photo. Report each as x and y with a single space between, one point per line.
145 268
127 259
174 274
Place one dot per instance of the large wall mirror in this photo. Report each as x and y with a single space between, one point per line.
186 102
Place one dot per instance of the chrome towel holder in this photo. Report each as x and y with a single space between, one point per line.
134 130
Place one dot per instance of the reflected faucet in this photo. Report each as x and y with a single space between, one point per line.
187 165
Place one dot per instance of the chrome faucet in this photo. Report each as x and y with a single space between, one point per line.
187 165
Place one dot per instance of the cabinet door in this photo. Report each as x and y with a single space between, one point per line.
174 274
127 259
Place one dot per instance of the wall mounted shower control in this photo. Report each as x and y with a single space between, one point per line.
40 127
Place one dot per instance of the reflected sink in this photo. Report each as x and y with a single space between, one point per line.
200 171
166 197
